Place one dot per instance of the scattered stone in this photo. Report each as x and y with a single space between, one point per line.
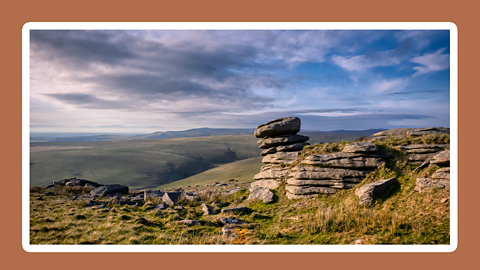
444 200
162 206
221 185
368 193
192 222
191 196
152 193
359 242
109 190
261 193
298 204
424 184
231 180
280 126
235 209
227 221
179 207
227 231
171 198
207 209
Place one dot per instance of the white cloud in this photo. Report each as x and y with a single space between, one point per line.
431 62
385 85
362 62
332 114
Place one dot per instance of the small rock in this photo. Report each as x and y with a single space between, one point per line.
444 200
180 207
297 204
171 198
191 222
368 193
424 184
233 191
235 209
227 221
207 209
110 190
161 206
221 185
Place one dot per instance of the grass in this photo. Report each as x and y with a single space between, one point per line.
242 170
400 216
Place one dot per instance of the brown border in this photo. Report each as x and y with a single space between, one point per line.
15 14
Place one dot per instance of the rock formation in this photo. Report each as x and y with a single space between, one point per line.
404 132
419 153
325 173
282 144
440 178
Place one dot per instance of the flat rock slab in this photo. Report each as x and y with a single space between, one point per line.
261 193
304 172
270 184
280 126
271 172
291 196
235 209
109 190
351 163
424 184
281 140
370 192
441 175
360 147
419 157
281 158
424 146
291 147
442 158
233 191
271 150
322 183
303 190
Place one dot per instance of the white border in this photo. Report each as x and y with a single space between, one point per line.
240 26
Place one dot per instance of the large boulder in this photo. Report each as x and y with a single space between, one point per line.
370 192
261 193
280 126
269 142
109 190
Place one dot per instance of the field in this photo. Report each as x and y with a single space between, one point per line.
148 163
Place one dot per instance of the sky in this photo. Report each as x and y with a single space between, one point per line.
98 81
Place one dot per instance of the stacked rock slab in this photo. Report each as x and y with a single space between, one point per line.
440 178
419 153
282 145
324 174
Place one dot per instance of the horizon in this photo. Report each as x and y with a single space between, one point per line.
117 81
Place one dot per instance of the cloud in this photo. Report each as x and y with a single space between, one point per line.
415 92
373 59
385 85
432 62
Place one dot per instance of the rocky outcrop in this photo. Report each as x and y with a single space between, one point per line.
440 178
370 192
74 182
420 153
405 132
326 173
171 198
270 184
282 145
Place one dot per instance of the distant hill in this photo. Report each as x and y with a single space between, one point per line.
198 132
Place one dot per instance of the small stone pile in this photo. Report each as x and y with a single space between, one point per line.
282 145
325 173
439 179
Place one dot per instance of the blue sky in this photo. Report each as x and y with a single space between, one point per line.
146 81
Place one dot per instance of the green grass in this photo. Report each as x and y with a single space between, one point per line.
142 163
242 170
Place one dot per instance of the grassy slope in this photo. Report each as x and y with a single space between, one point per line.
242 170
138 163
400 216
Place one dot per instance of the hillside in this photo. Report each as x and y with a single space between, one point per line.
136 163
402 215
